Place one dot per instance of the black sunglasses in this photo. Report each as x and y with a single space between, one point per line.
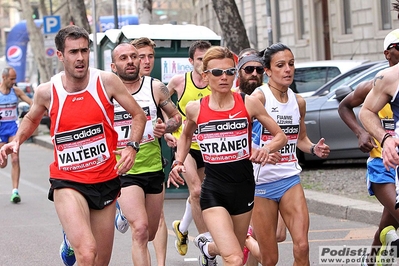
250 69
218 72
392 45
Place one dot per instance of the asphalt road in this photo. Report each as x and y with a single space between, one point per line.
31 234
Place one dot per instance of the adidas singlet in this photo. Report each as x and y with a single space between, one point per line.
82 132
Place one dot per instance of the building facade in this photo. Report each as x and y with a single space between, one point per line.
313 29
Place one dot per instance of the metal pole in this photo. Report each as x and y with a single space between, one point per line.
269 23
93 2
255 25
51 7
116 21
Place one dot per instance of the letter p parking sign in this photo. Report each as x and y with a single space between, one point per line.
51 24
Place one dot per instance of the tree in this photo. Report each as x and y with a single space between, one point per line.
230 22
144 11
36 42
77 9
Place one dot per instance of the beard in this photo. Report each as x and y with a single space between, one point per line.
131 76
248 87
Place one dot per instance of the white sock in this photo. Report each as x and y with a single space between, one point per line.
208 235
206 251
187 218
15 190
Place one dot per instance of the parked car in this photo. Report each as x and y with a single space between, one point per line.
344 77
309 76
322 120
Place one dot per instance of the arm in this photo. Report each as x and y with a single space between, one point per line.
384 87
31 121
176 85
22 96
256 109
274 157
117 90
320 149
173 121
184 144
345 110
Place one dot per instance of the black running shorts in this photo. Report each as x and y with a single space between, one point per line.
97 195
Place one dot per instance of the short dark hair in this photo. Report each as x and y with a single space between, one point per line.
71 31
201 45
271 50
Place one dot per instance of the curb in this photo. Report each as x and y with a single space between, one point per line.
343 207
43 140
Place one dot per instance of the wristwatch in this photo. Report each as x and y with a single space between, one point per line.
134 144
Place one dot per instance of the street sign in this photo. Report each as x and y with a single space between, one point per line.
51 24
50 52
49 45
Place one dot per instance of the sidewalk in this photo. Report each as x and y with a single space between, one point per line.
318 202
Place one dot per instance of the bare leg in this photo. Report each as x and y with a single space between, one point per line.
194 178
160 241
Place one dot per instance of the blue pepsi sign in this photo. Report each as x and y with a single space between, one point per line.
17 42
107 22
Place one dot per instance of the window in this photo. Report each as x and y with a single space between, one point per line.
301 22
311 78
277 26
347 17
386 14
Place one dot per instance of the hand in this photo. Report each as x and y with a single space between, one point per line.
128 155
171 141
366 142
390 155
159 128
259 155
274 158
321 149
175 177
8 148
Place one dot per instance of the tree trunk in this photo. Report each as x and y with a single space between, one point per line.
234 33
36 42
144 11
77 9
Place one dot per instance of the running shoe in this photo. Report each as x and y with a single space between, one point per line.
121 222
66 252
200 241
181 243
15 198
387 236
